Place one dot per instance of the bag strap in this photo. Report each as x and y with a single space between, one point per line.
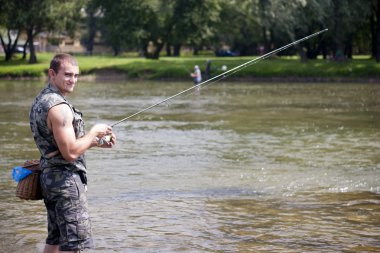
32 165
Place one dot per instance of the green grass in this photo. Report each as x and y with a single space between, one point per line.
180 67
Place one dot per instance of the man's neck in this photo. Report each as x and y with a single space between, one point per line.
56 88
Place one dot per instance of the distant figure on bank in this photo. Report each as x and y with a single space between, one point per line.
208 69
196 75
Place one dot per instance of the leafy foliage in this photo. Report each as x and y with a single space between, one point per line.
246 26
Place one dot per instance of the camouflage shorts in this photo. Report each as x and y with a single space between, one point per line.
66 203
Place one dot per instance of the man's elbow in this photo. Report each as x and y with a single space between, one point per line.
70 157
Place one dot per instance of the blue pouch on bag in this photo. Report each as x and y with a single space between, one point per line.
19 173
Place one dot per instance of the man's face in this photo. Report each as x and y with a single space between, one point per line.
66 78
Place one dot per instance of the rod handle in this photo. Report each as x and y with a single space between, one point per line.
106 139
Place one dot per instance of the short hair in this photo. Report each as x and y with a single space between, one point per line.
59 59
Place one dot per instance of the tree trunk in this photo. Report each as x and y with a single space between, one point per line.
348 48
24 47
310 52
373 30
266 42
263 5
91 32
8 54
324 50
159 47
177 50
116 50
9 48
32 50
339 46
378 32
195 51
155 53
168 50
144 50
302 51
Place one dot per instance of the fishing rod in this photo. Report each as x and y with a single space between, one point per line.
186 68
221 76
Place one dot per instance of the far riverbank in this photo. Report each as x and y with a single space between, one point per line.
276 69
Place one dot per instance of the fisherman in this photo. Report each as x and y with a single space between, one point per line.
58 130
196 75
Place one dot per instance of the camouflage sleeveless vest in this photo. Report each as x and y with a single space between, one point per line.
43 136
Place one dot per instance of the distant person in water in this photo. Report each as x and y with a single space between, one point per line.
196 75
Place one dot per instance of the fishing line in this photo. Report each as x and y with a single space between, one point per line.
221 76
186 68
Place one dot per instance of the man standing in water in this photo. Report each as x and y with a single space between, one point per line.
58 130
196 75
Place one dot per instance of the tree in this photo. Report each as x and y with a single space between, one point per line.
49 16
244 34
279 22
10 25
344 18
376 33
34 17
149 25
193 22
180 22
152 24
348 18
259 25
126 23
313 16
92 20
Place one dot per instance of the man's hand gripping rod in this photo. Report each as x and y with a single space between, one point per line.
223 75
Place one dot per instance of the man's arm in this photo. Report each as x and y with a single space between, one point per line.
60 119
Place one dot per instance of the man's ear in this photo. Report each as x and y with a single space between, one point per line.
51 74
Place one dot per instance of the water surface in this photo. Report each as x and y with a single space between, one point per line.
236 167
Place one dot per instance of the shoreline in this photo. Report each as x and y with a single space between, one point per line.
119 76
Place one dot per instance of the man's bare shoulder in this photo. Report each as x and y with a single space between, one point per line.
60 115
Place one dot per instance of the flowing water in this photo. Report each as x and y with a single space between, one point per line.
235 167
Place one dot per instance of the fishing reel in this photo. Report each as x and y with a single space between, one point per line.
106 139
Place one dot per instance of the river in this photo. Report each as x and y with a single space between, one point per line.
234 167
